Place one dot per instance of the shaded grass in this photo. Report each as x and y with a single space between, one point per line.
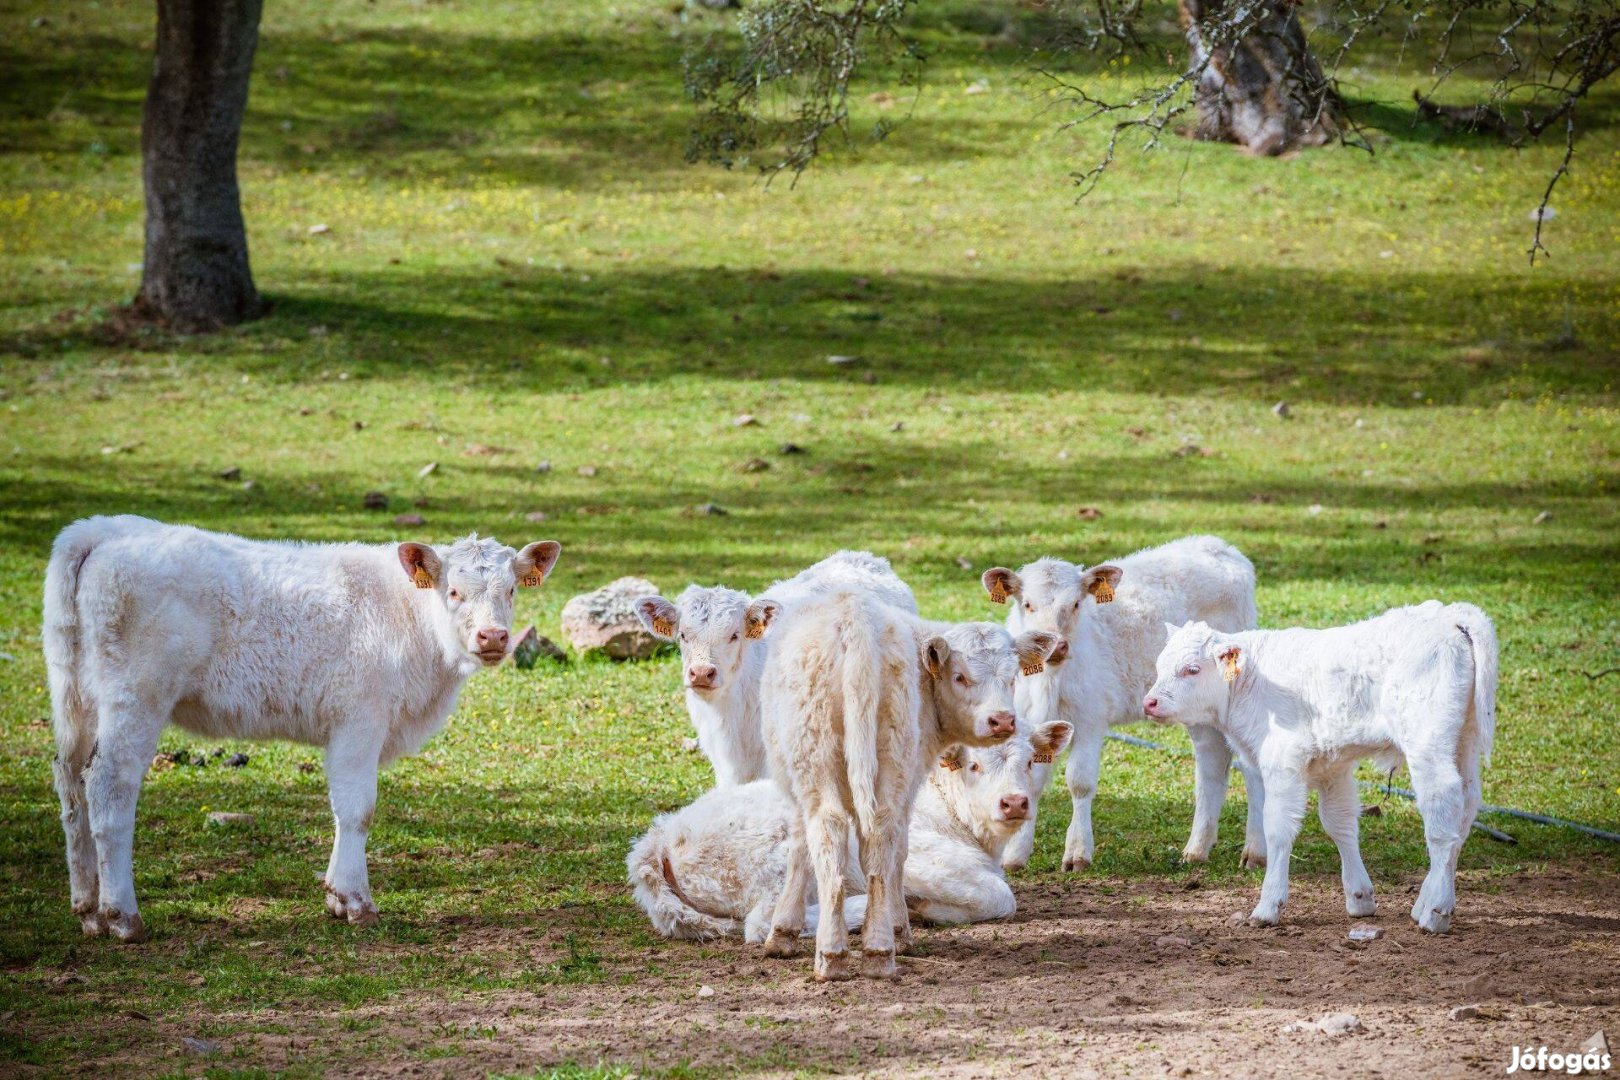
517 263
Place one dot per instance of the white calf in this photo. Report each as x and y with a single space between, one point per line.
718 867
1416 683
1097 681
360 649
858 698
721 634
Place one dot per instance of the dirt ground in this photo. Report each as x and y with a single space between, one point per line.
1091 979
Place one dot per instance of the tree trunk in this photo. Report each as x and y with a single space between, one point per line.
195 276
1264 90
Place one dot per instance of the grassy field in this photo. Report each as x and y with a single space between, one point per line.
518 268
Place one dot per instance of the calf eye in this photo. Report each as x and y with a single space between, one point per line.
733 637
962 680
1189 671
1028 606
1077 605
973 767
454 595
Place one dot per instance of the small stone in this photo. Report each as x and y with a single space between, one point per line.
586 471
202 1046
427 470
1365 932
1464 1012
221 817
1237 918
964 562
705 991
236 761
755 465
1543 213
1542 518
319 230
1173 941
712 510
690 746
543 467
745 420
1597 1044
359 425
898 425
843 361
232 473
977 86
1280 410
1339 1024
1088 513
532 647
411 520
375 500
248 485
536 516
1314 509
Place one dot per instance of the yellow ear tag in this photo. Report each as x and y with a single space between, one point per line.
1042 757
755 629
1103 593
951 764
663 627
1032 667
423 579
532 579
1229 668
998 592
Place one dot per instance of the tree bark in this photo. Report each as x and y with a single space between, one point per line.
195 276
1264 90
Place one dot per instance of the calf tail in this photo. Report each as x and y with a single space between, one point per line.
863 687
71 715
1481 634
656 889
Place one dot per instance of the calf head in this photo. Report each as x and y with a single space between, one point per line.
1048 595
477 580
714 628
1194 670
973 668
994 789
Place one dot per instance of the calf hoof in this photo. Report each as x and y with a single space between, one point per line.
1252 860
90 919
879 965
1075 865
833 967
1191 856
363 915
130 929
1360 905
1013 866
1434 921
355 909
782 944
1260 918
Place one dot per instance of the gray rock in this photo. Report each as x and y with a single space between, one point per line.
532 647
605 621
1337 1024
221 817
1365 932
1464 1012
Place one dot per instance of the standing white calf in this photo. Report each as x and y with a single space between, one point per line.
360 649
1098 681
1416 683
858 698
718 867
721 634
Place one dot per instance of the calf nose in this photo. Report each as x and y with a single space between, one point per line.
1150 703
1002 724
1014 807
1060 652
491 638
701 676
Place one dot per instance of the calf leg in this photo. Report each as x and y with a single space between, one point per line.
827 837
1021 847
967 894
1085 763
126 738
1254 831
1339 807
351 779
787 920
75 748
1286 797
1212 770
1442 799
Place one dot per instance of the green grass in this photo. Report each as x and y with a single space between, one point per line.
517 258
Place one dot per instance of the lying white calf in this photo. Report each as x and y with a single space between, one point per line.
859 698
718 867
1098 680
721 634
360 649
1416 683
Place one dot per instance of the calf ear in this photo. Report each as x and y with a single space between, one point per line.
421 564
1001 583
659 616
951 759
1050 739
757 619
1230 657
535 561
1034 648
1101 581
936 653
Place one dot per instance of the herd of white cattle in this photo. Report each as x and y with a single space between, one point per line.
871 765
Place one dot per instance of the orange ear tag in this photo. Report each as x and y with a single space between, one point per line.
952 764
998 592
423 579
1229 668
663 627
1103 593
1043 757
755 629
1032 667
532 580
